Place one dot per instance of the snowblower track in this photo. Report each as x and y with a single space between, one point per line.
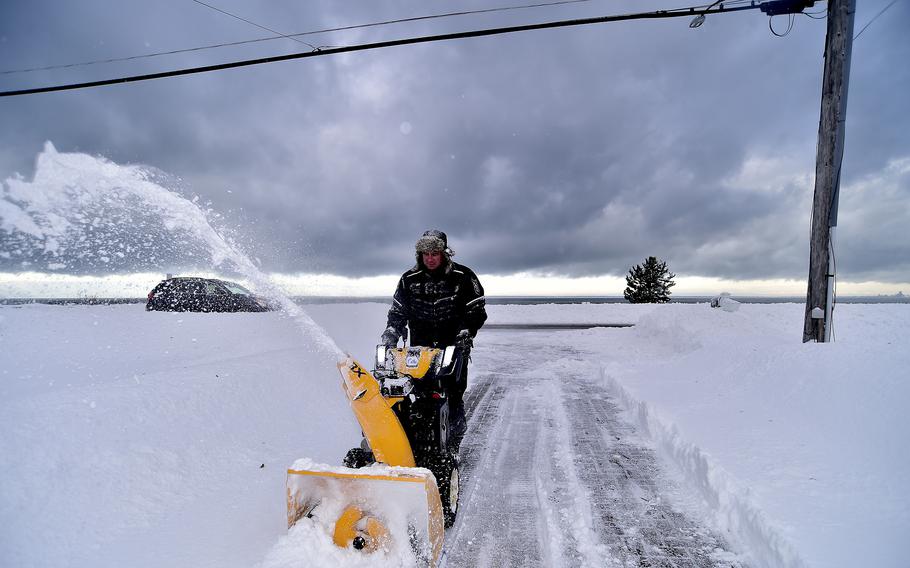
552 475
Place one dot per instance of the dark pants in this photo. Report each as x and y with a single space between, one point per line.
457 419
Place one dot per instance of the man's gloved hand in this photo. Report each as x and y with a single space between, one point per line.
464 339
389 337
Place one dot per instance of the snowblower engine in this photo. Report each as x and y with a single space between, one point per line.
414 380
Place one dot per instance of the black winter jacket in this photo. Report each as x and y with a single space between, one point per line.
437 304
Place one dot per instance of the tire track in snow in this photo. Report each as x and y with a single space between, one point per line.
552 540
481 410
634 498
513 509
480 530
591 551
475 396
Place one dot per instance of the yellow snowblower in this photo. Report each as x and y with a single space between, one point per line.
399 489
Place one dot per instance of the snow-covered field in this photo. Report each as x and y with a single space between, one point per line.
162 439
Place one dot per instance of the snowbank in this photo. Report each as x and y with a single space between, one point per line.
799 451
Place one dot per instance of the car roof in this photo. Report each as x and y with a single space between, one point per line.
197 279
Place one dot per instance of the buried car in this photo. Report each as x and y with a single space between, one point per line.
193 294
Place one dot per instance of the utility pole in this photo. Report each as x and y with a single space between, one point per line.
830 153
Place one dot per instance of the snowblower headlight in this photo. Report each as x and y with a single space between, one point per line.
380 356
447 356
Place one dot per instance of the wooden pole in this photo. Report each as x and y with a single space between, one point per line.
830 152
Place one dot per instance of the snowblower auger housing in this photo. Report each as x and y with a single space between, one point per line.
390 504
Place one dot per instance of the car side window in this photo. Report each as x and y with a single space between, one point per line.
190 288
213 289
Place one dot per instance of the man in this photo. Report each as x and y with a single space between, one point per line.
442 303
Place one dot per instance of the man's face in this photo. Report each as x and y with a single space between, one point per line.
433 259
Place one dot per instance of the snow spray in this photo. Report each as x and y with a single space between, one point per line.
86 213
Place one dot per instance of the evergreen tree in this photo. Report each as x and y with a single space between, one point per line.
649 282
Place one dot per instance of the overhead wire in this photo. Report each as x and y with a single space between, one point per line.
790 17
659 14
875 17
295 35
201 3
816 15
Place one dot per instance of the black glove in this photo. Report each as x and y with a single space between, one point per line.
389 337
464 339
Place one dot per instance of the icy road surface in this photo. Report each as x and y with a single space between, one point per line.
552 475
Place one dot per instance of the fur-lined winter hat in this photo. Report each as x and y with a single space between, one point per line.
433 240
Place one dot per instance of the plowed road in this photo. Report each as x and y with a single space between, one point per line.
552 475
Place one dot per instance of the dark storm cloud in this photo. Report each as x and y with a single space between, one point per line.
576 151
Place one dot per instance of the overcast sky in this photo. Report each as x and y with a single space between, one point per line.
574 152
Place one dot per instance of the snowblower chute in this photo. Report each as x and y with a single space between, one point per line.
390 506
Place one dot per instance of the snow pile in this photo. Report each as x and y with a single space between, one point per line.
725 302
798 450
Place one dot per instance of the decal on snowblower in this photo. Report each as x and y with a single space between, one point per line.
413 358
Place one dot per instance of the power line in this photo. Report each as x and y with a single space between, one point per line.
279 34
295 35
882 11
660 14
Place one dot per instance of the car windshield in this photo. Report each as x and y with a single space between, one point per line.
237 289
